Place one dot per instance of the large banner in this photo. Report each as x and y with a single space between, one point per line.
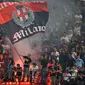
24 24
21 20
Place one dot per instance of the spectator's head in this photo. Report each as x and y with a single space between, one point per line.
34 64
55 49
26 58
46 49
45 56
18 65
58 64
65 33
78 55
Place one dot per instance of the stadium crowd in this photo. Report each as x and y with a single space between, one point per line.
62 64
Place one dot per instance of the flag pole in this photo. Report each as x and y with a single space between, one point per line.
18 54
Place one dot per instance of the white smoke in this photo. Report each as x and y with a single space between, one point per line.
61 14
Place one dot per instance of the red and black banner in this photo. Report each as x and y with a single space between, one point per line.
23 19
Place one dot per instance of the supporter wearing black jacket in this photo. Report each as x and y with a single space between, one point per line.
71 61
18 72
44 63
63 59
26 64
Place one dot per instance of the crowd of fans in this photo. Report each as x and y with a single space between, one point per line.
62 64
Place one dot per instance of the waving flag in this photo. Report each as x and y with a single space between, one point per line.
23 19
24 24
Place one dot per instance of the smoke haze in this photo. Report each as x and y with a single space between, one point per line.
61 15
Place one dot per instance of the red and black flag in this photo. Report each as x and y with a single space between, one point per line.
21 20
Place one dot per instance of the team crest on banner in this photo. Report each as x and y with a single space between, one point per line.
23 16
21 20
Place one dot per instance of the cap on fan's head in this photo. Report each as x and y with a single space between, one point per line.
34 64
